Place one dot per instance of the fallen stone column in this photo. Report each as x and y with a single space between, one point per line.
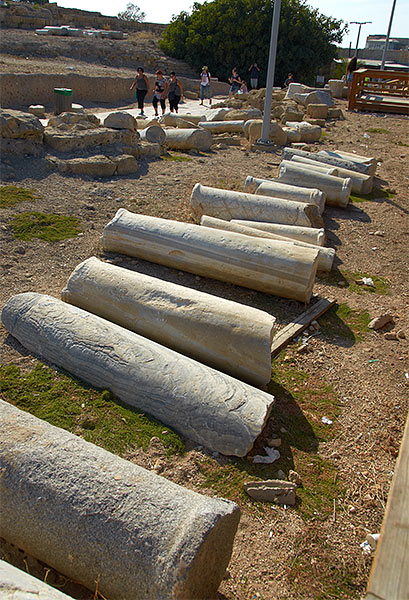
283 190
173 120
290 192
227 204
254 263
188 139
177 390
361 183
96 517
325 255
315 166
337 189
355 159
16 584
288 153
223 126
310 235
223 334
153 134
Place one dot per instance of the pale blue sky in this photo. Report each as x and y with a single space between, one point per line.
377 11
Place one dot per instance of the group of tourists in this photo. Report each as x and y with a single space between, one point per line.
170 89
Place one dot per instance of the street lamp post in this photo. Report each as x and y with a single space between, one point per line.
360 23
387 37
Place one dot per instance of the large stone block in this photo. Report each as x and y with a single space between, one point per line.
120 120
317 111
15 124
254 263
18 585
188 139
220 333
277 135
98 518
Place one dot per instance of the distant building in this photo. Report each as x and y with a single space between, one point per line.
377 42
371 55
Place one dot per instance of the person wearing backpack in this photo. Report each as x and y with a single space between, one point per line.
175 92
205 80
160 88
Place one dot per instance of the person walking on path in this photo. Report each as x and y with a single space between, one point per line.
205 79
175 92
235 82
161 87
141 84
254 75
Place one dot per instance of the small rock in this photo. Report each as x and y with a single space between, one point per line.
294 477
280 474
380 233
342 283
283 430
390 335
351 509
381 321
303 349
276 443
20 250
272 490
401 334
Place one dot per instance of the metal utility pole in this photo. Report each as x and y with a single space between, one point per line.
360 23
265 130
387 37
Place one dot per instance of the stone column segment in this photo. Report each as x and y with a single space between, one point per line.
361 183
223 334
16 584
223 126
227 204
335 161
188 139
200 403
325 255
355 159
254 263
310 235
154 134
337 189
275 189
96 517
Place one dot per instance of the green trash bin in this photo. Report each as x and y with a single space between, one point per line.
62 100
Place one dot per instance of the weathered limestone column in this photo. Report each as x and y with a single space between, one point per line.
336 87
325 255
254 263
355 159
337 190
227 204
96 517
293 193
310 235
188 139
223 334
153 134
207 406
173 120
361 183
223 126
16 584
315 166
277 189
288 153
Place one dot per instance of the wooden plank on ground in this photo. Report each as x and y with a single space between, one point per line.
290 331
389 579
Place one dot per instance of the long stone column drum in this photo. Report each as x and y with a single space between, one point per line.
328 158
325 255
263 265
275 189
336 189
223 126
153 134
361 183
200 403
309 235
223 334
227 204
96 517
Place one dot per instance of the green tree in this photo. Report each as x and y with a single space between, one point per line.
132 13
235 33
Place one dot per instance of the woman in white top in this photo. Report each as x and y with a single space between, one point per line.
205 80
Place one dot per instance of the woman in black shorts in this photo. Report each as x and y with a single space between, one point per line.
175 92
161 87
142 88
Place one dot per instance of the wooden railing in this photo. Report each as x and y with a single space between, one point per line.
385 91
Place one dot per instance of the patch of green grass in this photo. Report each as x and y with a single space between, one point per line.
47 227
402 144
93 414
175 157
11 195
377 130
348 279
344 322
376 194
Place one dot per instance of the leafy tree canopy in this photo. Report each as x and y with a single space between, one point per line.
235 33
132 13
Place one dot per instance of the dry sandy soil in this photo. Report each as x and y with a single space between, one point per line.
278 553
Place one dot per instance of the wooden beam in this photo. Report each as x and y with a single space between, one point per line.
290 331
389 579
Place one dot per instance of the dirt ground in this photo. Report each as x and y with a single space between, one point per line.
279 553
